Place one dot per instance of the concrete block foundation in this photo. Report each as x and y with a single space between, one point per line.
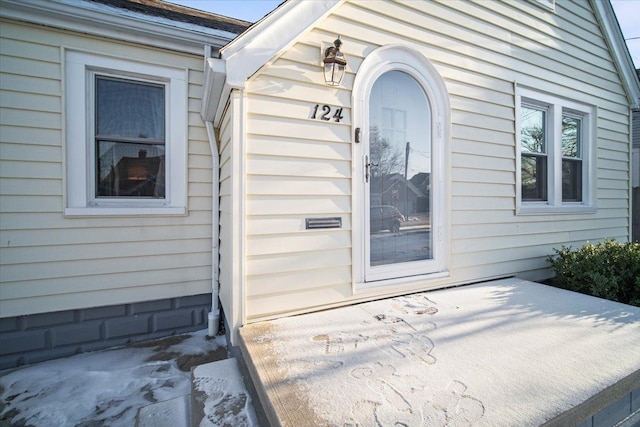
39 337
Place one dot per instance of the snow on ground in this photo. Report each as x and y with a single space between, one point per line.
106 387
226 401
507 352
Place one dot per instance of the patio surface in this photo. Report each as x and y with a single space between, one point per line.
502 353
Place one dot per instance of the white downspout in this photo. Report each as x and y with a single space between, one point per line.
214 315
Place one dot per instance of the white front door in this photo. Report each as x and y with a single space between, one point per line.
401 115
397 183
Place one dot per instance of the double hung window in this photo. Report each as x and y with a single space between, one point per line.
130 139
126 136
534 158
555 145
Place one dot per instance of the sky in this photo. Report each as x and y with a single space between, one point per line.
247 10
628 14
627 11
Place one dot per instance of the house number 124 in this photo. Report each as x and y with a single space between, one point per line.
325 113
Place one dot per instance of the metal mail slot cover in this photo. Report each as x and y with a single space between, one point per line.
314 223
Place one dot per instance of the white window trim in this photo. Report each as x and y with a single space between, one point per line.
555 107
79 68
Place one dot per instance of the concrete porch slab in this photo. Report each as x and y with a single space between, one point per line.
502 353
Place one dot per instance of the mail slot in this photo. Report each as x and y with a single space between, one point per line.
315 223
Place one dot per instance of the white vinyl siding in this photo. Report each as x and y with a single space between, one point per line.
635 131
50 263
298 167
231 282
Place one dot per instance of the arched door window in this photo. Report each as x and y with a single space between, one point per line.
401 108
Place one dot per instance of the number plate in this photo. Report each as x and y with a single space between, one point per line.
326 112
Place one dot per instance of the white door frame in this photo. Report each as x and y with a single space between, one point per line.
412 62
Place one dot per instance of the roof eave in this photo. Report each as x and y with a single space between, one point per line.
82 17
619 51
263 41
259 45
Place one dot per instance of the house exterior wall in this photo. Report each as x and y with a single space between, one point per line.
226 216
635 170
297 167
52 263
231 220
635 132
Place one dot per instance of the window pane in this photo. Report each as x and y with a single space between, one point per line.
532 130
130 170
400 119
534 178
387 118
128 109
400 170
570 136
571 180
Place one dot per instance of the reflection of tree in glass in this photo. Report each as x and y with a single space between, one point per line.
387 158
570 136
533 177
532 130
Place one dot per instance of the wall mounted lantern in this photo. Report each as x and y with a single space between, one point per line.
334 64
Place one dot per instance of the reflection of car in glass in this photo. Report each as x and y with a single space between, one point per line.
385 218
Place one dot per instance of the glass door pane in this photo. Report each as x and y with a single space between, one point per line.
399 177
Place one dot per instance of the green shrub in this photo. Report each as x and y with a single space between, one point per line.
608 270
